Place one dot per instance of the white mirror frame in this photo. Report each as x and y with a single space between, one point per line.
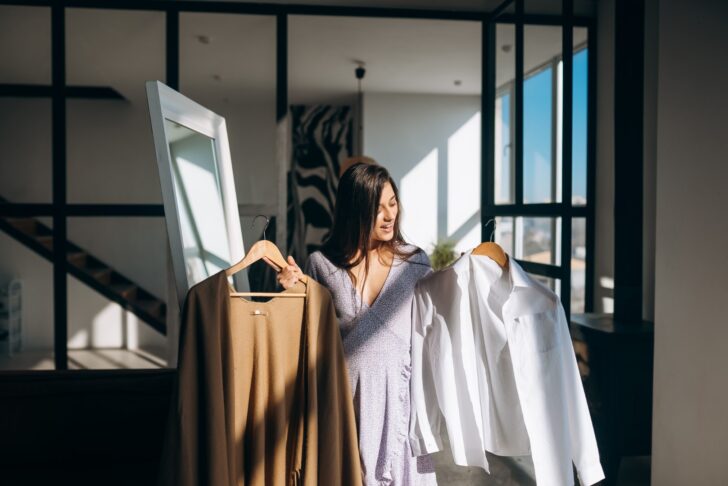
166 103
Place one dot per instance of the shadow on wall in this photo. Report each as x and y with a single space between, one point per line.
431 146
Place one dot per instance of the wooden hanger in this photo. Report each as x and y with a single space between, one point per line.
269 252
492 250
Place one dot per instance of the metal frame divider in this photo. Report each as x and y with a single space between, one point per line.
564 209
59 92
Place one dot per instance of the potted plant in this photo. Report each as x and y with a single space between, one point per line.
443 254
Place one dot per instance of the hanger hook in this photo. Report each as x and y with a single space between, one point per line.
267 222
492 233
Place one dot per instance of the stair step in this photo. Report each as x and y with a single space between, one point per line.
101 274
29 226
151 307
77 258
145 305
125 289
46 241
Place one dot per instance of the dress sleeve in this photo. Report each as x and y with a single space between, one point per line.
422 260
311 267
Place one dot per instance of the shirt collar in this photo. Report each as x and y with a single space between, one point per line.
519 277
535 299
491 270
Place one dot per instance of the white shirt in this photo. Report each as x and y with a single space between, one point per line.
493 367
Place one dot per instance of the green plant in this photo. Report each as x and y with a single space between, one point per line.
443 254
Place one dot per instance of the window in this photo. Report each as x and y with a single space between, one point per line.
538 222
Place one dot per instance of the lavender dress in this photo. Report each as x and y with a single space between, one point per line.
377 343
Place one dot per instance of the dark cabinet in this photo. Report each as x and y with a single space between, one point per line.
616 361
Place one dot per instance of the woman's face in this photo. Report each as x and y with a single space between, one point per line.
386 215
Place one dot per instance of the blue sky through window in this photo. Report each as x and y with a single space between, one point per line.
579 110
538 127
505 182
538 133
537 136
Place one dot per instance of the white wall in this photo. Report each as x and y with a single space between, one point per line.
690 430
431 146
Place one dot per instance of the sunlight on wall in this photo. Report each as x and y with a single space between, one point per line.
78 340
132 331
607 302
106 327
470 240
111 327
608 305
418 189
463 184
105 330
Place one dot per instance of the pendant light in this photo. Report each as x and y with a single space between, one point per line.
359 72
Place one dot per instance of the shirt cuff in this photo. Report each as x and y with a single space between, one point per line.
421 447
590 474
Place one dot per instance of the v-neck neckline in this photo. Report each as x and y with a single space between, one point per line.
360 297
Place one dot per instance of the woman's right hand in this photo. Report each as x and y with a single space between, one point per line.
289 276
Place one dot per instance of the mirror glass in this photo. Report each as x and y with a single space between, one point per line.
199 202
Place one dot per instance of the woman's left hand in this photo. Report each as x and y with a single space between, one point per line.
290 275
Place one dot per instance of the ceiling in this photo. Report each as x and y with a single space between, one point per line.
232 57
405 56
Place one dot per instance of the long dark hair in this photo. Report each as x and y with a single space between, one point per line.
357 204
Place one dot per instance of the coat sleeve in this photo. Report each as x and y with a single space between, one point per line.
584 450
332 442
196 443
421 436
179 463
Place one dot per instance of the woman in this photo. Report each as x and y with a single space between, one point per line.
371 273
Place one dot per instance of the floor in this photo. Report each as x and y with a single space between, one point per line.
90 359
518 471
504 471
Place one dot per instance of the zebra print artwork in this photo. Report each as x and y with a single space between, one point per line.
322 139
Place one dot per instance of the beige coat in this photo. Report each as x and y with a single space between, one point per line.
263 396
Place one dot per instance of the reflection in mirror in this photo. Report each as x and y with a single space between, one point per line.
199 201
198 189
195 173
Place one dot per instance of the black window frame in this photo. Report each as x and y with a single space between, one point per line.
565 210
60 209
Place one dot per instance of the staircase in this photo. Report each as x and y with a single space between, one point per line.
91 271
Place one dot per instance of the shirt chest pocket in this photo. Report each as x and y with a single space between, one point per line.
538 332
